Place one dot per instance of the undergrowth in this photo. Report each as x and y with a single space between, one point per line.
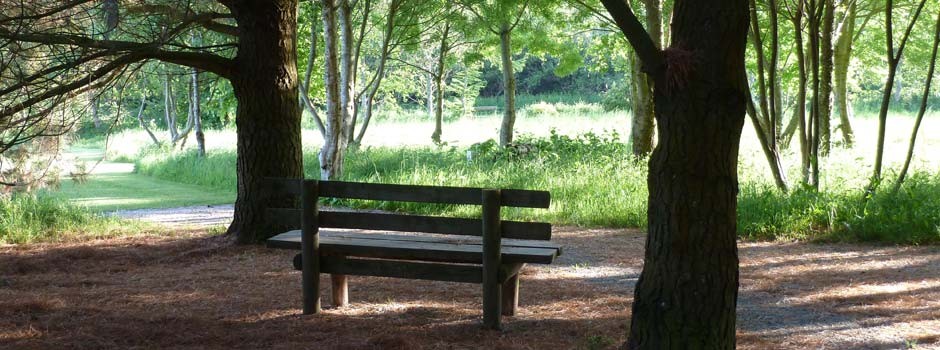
41 217
594 181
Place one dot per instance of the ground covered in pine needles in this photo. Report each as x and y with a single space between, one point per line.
192 289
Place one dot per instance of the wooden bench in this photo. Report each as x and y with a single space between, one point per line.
487 250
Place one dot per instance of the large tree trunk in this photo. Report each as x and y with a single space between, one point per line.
841 59
333 151
687 293
641 128
268 115
509 87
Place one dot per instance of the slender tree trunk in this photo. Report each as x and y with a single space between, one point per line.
825 83
373 87
764 121
169 109
923 107
801 97
94 98
197 115
641 101
509 87
268 114
894 60
442 50
347 72
642 124
308 73
841 60
333 151
687 293
145 126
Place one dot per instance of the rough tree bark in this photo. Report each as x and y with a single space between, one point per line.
268 113
686 295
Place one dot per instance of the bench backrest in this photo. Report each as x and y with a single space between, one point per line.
411 193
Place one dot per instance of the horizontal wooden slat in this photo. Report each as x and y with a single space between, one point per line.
278 187
401 269
507 242
331 244
411 223
430 194
397 222
407 269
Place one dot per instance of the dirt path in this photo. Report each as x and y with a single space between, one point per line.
792 295
200 216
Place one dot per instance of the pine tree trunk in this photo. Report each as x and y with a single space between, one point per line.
687 293
509 87
268 115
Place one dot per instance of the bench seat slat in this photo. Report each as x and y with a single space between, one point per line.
429 250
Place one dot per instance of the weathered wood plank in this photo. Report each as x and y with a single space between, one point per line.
506 271
430 194
510 295
277 187
506 242
402 269
333 244
414 223
492 289
339 289
310 249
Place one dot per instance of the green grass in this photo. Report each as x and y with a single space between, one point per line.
41 217
593 180
113 191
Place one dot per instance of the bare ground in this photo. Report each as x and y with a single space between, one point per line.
194 290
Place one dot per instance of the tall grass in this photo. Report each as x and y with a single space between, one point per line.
595 182
28 218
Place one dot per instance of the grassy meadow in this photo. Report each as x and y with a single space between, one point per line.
580 153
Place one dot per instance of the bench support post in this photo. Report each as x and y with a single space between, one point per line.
310 248
491 258
511 295
339 290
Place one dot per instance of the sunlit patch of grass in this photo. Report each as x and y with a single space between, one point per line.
29 218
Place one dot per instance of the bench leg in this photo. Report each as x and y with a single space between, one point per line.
340 290
510 296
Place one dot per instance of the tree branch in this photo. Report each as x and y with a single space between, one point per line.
652 57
